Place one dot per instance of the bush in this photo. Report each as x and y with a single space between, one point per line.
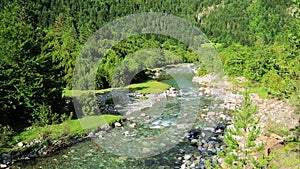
43 115
274 83
202 71
6 133
86 104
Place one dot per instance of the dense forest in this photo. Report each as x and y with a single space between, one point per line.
40 41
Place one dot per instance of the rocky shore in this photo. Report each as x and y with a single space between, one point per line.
276 111
207 139
271 112
37 148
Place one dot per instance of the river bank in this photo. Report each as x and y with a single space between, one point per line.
36 142
204 139
278 119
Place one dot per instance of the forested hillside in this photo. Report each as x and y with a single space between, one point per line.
40 41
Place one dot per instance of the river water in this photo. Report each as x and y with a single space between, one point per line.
154 143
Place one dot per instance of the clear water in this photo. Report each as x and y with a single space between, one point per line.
171 112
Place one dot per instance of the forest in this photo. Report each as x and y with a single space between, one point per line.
40 41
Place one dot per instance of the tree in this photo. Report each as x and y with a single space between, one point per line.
28 76
240 138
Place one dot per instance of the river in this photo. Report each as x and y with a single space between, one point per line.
156 142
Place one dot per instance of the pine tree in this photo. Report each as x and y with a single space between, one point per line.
240 137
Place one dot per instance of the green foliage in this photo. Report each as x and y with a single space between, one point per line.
87 104
6 133
273 82
269 67
239 138
29 78
43 115
280 129
133 68
287 157
202 71
73 128
133 56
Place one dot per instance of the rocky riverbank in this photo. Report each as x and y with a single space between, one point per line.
206 138
274 114
37 148
276 111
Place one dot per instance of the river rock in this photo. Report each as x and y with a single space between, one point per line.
211 113
155 127
132 125
126 133
105 127
194 141
211 129
20 144
6 158
3 166
187 156
117 124
165 123
194 134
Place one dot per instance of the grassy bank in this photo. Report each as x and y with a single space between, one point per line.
150 86
251 87
70 128
76 127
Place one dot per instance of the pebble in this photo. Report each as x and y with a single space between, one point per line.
132 125
211 129
165 124
3 166
194 141
117 124
211 113
187 156
20 144
179 158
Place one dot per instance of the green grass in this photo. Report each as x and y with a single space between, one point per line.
70 93
252 88
287 157
150 86
70 127
280 129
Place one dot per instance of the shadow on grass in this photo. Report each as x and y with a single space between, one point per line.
134 89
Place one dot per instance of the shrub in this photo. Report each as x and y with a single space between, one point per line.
43 115
86 104
202 71
274 83
6 133
239 138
